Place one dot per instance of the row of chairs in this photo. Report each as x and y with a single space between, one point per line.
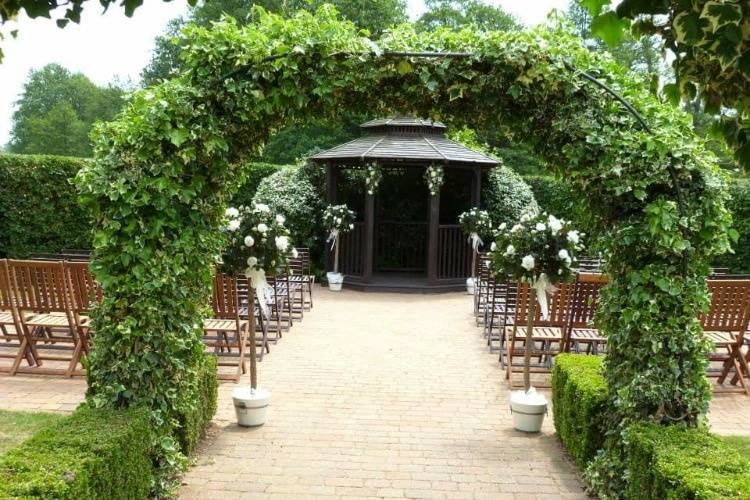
45 308
503 306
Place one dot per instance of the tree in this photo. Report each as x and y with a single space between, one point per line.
455 14
710 42
57 110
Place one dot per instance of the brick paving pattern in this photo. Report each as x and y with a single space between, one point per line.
374 396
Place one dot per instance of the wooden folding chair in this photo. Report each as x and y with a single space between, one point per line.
583 304
225 333
547 335
48 321
482 290
10 326
261 320
301 273
725 326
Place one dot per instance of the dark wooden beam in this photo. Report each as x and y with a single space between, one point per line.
332 177
369 243
476 188
432 240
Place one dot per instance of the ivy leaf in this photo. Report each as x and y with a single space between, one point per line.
61 23
594 6
672 93
404 67
177 136
609 27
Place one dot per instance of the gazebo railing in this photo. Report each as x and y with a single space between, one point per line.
454 252
350 256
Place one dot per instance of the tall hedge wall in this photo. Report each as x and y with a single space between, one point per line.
739 205
38 207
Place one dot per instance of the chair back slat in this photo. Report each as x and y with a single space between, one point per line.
730 306
85 290
558 306
39 285
6 301
225 297
585 298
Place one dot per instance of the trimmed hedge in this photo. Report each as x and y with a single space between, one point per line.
38 205
254 174
674 462
579 397
739 204
193 424
94 453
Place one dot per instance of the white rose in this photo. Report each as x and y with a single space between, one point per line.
540 226
280 219
573 237
515 228
282 243
262 207
252 261
262 228
351 226
249 241
528 262
295 253
338 220
233 225
563 254
493 247
232 213
502 226
554 224
510 250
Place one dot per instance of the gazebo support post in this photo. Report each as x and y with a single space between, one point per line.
476 188
332 177
432 240
368 247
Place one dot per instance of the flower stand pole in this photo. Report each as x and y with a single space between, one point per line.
251 403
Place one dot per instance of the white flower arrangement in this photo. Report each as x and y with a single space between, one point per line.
434 175
373 176
337 219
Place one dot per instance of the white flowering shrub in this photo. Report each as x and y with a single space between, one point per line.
538 244
476 221
338 218
506 196
434 175
257 240
373 176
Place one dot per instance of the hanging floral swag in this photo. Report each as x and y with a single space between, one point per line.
435 177
373 176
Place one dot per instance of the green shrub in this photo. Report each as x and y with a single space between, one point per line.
506 196
296 193
38 207
675 462
193 423
254 172
739 204
91 454
555 197
579 396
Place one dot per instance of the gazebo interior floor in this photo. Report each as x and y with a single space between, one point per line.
403 282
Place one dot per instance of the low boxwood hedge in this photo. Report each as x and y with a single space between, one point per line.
193 423
579 395
674 462
93 453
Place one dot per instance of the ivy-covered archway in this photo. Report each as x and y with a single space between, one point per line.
165 168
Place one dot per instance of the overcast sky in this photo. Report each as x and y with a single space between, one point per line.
108 46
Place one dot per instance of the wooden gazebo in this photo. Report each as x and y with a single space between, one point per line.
405 240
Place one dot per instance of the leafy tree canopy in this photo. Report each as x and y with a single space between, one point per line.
710 41
456 14
56 111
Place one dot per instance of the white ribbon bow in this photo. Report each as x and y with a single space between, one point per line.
542 285
333 237
475 241
263 290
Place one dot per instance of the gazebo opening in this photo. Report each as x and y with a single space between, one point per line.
406 238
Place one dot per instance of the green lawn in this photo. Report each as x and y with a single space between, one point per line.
739 443
16 426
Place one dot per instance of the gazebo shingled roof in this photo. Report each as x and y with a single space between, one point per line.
402 139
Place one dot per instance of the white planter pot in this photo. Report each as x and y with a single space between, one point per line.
251 406
528 409
470 286
334 281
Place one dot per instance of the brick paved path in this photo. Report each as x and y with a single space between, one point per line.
381 396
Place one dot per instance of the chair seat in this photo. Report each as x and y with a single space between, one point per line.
48 319
537 333
215 324
721 339
586 334
6 318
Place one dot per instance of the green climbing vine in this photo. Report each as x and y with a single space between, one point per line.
166 167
